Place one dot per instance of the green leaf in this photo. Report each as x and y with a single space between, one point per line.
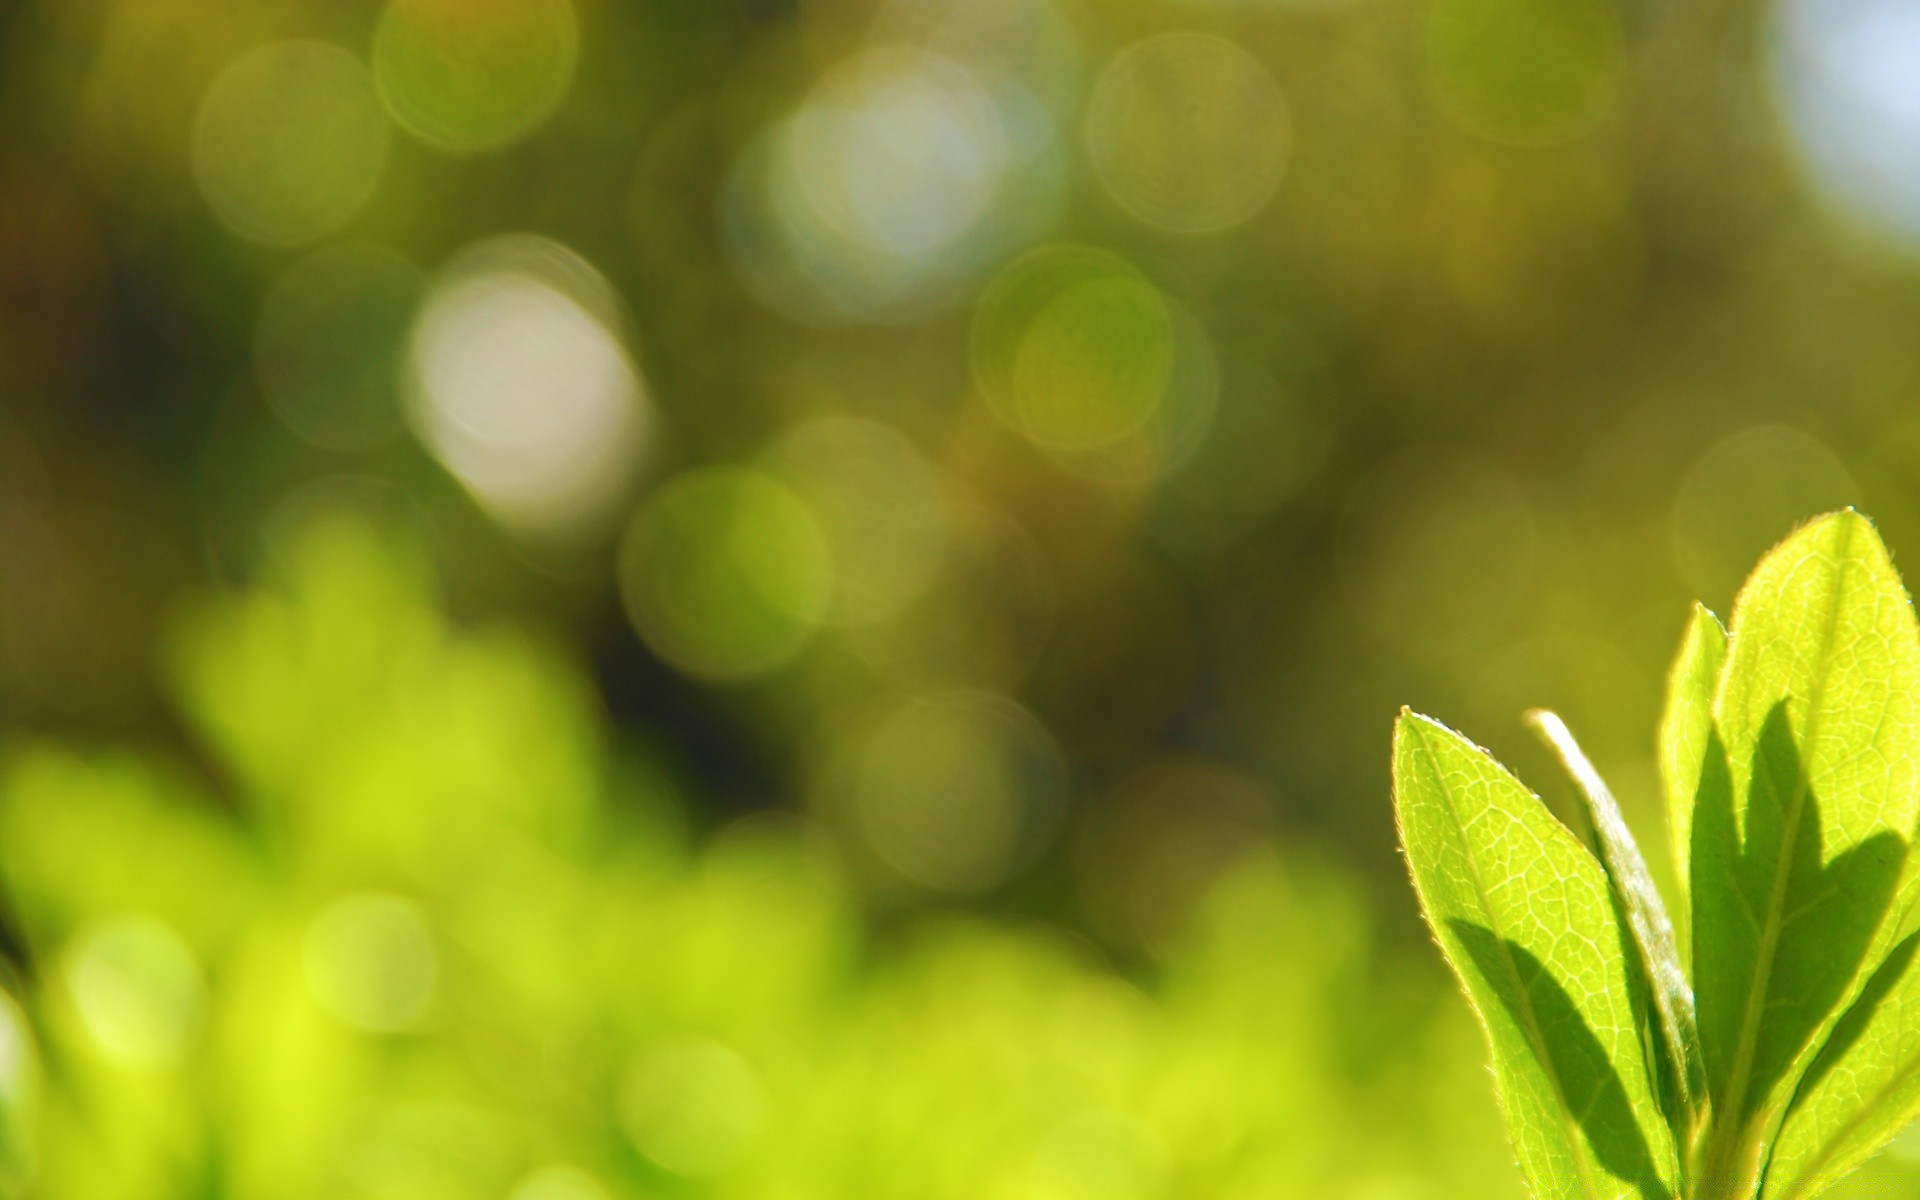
1524 915
1686 728
1650 930
1862 1089
1807 794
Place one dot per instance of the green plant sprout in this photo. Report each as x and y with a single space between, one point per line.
1789 1052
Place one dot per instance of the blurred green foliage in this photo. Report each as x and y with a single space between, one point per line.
412 927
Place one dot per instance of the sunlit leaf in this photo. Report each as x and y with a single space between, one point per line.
1801 822
1686 728
1649 928
1862 1089
1524 915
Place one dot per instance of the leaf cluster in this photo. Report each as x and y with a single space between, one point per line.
1783 1048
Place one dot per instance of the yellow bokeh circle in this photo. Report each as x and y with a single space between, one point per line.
726 573
289 142
1188 132
1073 348
694 1107
138 990
472 75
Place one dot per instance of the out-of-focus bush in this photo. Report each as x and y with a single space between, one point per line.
412 926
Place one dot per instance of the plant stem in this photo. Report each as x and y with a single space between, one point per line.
1730 1167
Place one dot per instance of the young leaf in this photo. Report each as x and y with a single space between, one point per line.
1646 913
1523 913
1686 727
1807 795
1862 1089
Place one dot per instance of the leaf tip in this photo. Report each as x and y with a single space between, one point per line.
1700 614
1409 730
1409 722
1850 519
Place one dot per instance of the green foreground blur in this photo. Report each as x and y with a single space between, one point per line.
412 929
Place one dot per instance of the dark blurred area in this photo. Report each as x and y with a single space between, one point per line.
1037 444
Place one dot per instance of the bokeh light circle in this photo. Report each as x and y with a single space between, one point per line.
885 192
137 988
694 1107
521 387
899 150
726 573
1844 75
1177 430
1073 348
879 504
329 343
1188 132
559 1181
472 75
1179 427
1527 72
954 792
369 961
289 142
1743 495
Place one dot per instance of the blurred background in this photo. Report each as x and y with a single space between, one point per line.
790 598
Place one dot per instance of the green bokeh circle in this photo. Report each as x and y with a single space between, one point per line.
726 573
473 75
